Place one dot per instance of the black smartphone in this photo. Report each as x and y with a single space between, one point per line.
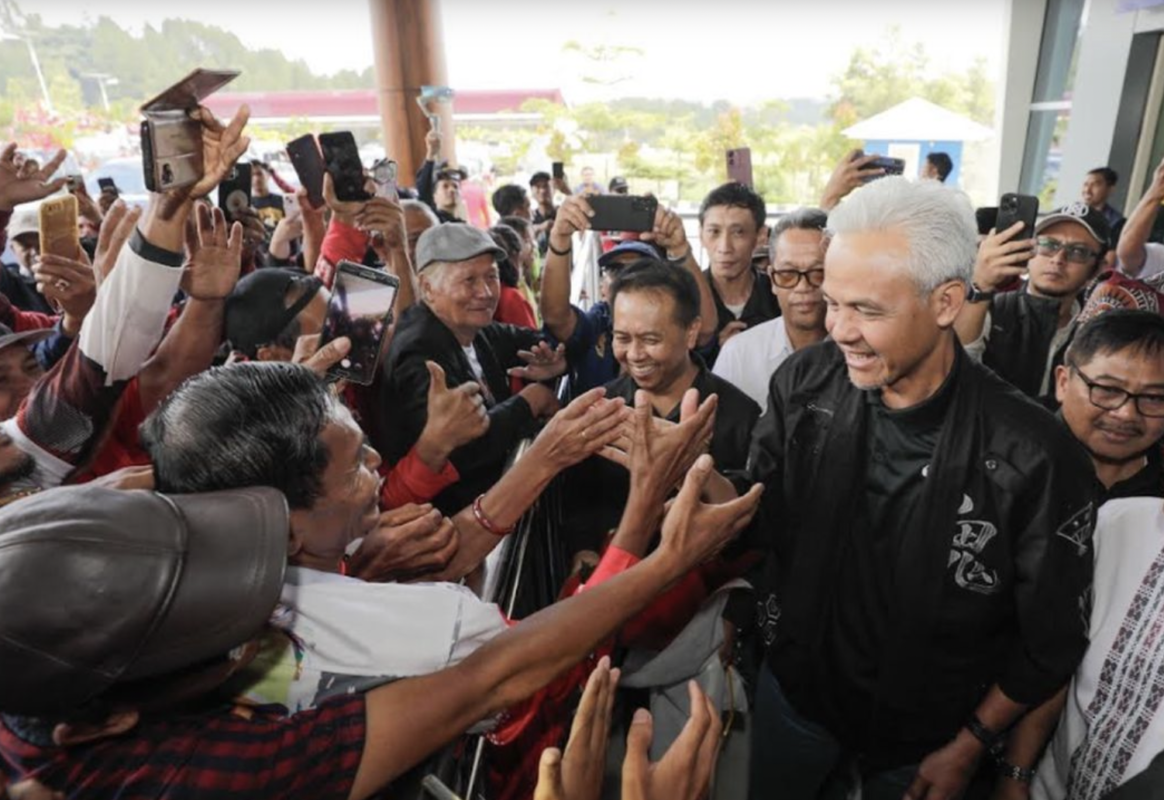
622 212
739 165
308 164
360 309
558 170
892 166
234 193
341 158
1014 208
106 184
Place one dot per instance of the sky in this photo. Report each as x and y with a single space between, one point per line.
743 51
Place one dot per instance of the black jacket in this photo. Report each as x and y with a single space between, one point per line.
762 306
402 397
1022 327
991 579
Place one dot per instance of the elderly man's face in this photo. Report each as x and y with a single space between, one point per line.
465 297
1114 436
800 257
887 332
348 505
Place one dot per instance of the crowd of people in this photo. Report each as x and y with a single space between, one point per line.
870 505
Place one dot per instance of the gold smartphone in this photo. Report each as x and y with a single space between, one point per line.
58 227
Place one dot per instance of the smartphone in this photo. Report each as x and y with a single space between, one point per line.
308 164
171 142
234 193
558 170
623 212
892 166
106 185
74 183
58 227
739 165
384 174
341 158
1014 208
361 309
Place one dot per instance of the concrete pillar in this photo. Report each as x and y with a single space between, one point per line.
408 42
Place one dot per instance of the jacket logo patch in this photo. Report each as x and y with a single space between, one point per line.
1079 528
970 539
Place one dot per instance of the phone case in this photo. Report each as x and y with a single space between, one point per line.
366 324
618 212
58 227
341 158
1014 208
308 163
739 165
234 193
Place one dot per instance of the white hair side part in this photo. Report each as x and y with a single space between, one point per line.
937 221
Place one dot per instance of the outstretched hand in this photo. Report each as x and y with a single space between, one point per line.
541 363
586 427
684 772
26 181
577 775
213 256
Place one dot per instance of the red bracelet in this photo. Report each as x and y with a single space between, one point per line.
487 523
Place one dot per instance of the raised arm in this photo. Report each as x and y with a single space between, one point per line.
1001 257
409 719
557 313
1131 249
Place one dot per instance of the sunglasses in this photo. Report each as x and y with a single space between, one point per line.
1076 253
790 278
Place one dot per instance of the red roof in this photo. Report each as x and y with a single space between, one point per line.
362 102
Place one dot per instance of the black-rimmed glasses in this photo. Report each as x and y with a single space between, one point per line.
1076 253
1111 398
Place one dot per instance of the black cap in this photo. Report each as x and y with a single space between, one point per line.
102 586
618 185
1094 222
257 311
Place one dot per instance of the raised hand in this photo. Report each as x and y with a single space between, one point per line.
582 429
851 173
541 363
410 541
222 146
694 531
213 258
320 359
658 453
70 284
119 225
455 418
669 234
684 772
26 181
346 210
573 217
578 774
384 217
1001 257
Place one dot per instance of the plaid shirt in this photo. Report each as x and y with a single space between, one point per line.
313 754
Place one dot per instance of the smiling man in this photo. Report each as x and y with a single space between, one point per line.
928 526
1111 387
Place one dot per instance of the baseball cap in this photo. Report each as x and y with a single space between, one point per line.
452 242
26 338
256 309
641 249
538 177
449 173
114 586
25 219
619 184
1080 213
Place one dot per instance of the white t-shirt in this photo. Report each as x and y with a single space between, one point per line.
736 309
749 358
1113 724
346 635
1153 260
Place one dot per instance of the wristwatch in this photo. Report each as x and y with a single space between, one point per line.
1009 770
976 295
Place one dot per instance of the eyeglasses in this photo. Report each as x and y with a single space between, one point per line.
1076 253
1111 398
790 278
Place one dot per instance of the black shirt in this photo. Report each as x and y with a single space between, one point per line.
761 307
1148 482
899 447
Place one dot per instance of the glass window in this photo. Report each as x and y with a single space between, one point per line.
1051 104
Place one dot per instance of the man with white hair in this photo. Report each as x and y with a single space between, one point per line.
929 527
453 326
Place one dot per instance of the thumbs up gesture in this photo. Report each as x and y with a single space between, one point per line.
455 418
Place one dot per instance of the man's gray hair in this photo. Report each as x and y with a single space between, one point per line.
418 205
799 219
938 223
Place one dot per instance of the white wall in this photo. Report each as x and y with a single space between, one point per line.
1017 85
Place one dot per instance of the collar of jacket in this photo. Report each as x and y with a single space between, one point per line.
925 547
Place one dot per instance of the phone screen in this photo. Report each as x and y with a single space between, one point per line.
360 309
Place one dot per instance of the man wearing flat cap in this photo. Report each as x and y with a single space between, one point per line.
453 326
